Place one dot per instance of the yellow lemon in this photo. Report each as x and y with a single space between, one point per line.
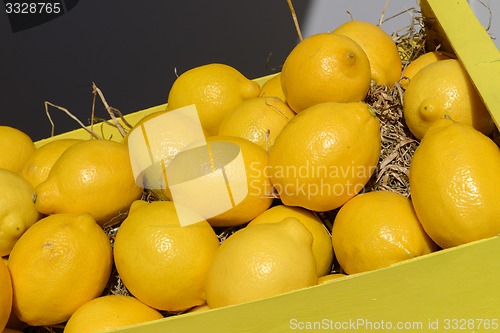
444 88
325 155
261 261
330 277
454 177
258 119
420 62
37 167
60 263
376 229
322 244
5 295
92 176
154 142
162 263
225 181
16 147
381 50
323 68
273 88
17 210
142 121
107 312
203 307
214 89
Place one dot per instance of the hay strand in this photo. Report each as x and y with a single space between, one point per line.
72 116
115 121
295 19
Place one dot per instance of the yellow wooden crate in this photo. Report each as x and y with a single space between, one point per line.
452 290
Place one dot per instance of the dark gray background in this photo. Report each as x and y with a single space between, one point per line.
130 49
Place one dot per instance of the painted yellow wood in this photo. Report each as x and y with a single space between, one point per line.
457 23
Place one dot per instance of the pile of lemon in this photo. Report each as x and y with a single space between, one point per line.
309 143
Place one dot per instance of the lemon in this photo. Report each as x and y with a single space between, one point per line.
92 176
203 307
454 184
444 88
325 67
13 323
107 312
258 119
162 263
214 89
5 295
154 142
376 229
381 50
60 263
325 155
330 277
225 181
142 121
261 261
420 62
17 210
16 147
322 244
37 167
272 88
